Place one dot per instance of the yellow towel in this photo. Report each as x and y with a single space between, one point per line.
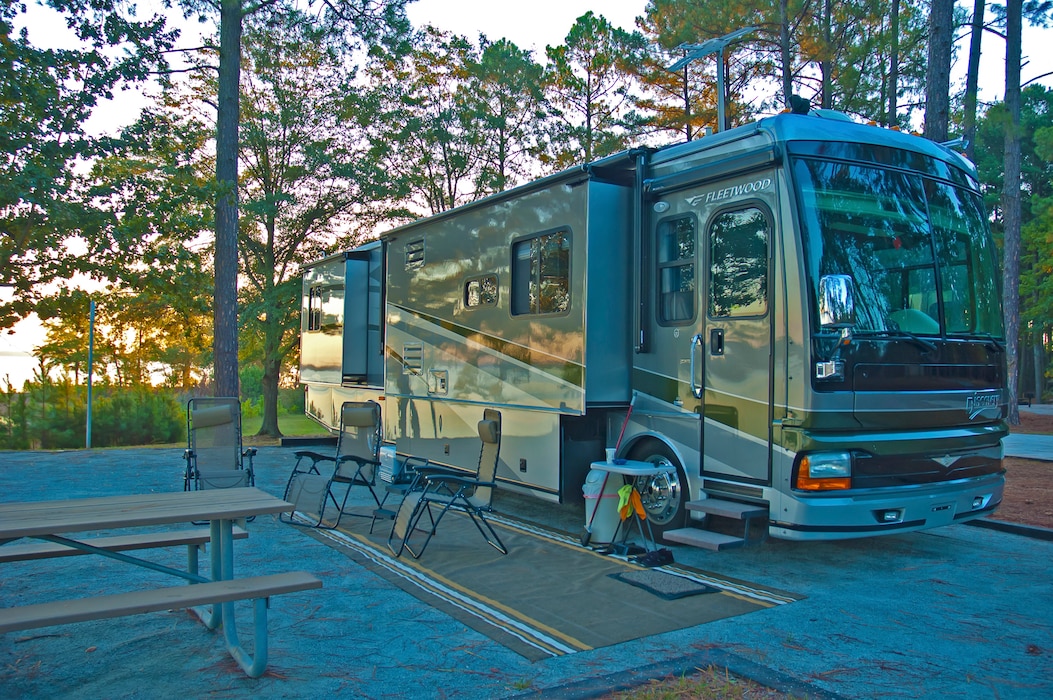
628 501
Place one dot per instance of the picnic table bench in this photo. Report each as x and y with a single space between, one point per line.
194 540
52 521
257 588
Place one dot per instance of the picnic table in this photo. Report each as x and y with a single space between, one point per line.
55 521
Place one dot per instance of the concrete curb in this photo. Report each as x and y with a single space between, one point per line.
636 678
1032 531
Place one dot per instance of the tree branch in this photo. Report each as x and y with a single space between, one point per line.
1037 77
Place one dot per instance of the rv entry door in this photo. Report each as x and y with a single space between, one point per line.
732 350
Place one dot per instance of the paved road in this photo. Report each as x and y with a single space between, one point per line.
955 612
1031 446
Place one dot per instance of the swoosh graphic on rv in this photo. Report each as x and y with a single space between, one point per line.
570 371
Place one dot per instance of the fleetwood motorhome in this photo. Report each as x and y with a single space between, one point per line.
804 313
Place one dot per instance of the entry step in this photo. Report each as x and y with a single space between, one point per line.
704 539
728 509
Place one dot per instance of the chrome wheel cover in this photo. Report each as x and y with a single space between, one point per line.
660 493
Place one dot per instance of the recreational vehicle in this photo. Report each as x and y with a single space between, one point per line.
800 316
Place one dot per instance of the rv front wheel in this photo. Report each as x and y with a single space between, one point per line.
662 494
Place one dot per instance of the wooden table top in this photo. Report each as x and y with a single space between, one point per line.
34 518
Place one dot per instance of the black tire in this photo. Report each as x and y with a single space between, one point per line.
664 496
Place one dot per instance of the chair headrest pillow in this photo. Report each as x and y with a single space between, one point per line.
211 416
489 431
358 416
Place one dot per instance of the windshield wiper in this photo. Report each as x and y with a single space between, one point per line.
993 344
899 335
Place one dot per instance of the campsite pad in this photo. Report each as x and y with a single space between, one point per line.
549 595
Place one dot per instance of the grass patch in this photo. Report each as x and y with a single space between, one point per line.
297 424
291 425
713 683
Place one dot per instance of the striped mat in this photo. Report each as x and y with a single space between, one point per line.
549 595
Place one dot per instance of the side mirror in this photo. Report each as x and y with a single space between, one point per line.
836 308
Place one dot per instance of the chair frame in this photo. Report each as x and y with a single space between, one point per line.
194 478
365 467
445 490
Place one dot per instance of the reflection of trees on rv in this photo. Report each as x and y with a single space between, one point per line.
890 230
739 269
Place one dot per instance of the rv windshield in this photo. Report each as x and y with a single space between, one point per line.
917 249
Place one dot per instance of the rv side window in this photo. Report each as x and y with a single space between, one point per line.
481 291
676 270
738 258
415 254
314 309
541 274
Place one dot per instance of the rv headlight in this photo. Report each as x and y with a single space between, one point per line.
824 471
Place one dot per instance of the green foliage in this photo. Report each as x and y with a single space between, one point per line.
53 415
857 52
1036 216
139 416
588 85
307 187
136 337
251 377
425 133
505 95
46 96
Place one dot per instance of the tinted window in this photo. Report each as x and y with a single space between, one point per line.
541 274
481 291
738 260
676 270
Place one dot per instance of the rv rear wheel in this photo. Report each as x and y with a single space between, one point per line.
662 494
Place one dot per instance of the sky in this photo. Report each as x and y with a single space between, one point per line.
534 25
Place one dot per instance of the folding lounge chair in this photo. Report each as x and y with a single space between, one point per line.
214 455
444 491
356 463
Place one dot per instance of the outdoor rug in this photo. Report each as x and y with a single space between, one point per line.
549 595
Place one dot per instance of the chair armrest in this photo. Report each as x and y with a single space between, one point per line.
355 458
436 472
456 479
313 456
441 477
450 486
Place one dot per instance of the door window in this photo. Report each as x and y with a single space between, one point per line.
738 259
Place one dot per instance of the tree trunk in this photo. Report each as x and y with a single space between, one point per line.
225 301
938 73
972 78
271 372
827 66
893 73
1011 204
1038 353
784 47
